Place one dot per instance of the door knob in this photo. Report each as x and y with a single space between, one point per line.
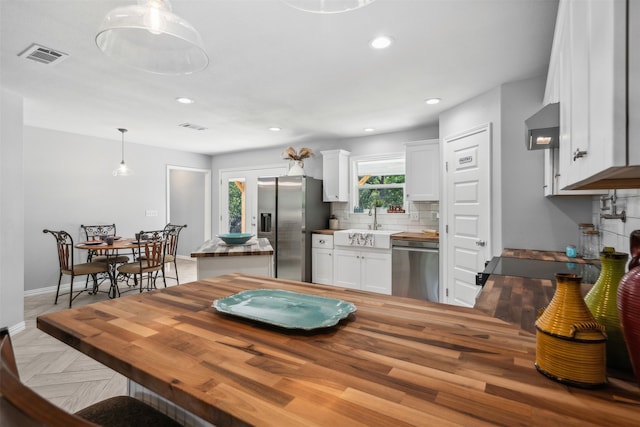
480 243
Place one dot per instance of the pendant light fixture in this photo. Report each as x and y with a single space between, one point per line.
149 37
327 6
122 169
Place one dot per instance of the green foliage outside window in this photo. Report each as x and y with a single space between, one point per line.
235 208
381 190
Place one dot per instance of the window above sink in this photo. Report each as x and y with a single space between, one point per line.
377 180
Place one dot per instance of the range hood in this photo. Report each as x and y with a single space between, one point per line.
543 128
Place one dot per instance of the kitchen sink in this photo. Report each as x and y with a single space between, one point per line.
360 238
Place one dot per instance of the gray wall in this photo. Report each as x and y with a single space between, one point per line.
374 144
529 219
11 212
187 207
522 216
69 182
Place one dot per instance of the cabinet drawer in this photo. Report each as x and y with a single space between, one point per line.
322 241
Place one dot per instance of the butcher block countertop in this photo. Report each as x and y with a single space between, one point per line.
402 235
217 248
517 299
394 362
325 231
408 235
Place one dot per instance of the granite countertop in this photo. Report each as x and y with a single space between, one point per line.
217 248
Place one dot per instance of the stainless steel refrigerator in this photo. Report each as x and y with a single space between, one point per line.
289 209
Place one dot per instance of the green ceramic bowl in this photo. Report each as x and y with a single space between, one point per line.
235 238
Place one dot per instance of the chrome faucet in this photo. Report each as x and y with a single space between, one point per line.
375 217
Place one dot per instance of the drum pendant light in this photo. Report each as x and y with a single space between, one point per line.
122 169
148 36
327 6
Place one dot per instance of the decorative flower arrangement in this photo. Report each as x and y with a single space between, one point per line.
291 154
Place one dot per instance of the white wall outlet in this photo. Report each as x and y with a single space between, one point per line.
415 216
434 215
150 212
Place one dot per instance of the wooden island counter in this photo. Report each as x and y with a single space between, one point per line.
394 362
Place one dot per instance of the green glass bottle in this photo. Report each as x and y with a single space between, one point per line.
602 303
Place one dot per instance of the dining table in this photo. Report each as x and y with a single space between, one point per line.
367 360
110 249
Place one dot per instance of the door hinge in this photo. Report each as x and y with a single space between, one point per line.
446 292
446 166
446 229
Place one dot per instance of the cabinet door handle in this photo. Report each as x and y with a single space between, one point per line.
579 154
322 242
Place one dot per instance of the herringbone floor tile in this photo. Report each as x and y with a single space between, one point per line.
60 373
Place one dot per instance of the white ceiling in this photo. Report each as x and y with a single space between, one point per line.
272 65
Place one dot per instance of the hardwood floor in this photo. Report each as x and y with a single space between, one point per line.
60 373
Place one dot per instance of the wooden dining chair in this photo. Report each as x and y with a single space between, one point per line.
171 234
64 245
151 249
21 406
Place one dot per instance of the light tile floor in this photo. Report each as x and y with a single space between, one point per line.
60 373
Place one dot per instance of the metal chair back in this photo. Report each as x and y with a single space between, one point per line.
64 243
172 233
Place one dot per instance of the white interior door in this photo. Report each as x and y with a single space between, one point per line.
468 212
245 180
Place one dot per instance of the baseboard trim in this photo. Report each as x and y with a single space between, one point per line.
64 287
18 327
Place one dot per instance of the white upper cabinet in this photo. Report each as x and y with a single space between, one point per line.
422 171
335 175
587 75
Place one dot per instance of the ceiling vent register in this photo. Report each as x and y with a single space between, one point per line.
192 126
42 54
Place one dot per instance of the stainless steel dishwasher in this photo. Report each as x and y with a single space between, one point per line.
415 269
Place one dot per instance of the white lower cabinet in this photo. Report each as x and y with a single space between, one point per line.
322 259
368 270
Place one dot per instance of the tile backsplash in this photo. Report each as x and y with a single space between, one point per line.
427 217
615 233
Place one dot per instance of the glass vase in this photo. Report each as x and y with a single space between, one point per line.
628 302
601 301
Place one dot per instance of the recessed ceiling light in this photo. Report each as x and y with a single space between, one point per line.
184 100
381 42
432 101
275 129
369 129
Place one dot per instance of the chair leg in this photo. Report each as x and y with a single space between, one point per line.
113 286
71 291
58 290
175 266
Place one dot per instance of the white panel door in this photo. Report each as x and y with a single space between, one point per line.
468 217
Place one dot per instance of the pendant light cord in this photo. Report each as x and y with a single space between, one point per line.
123 132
